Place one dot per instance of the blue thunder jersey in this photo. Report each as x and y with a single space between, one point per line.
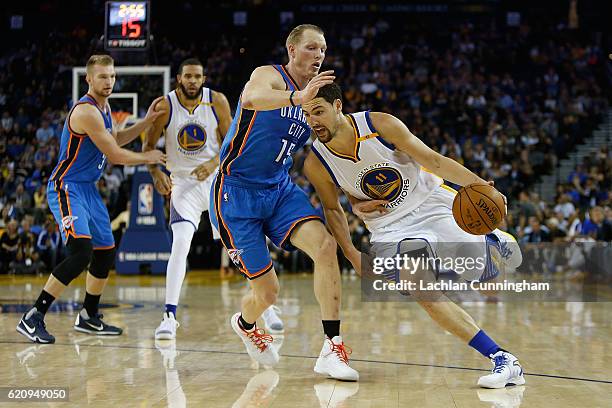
80 159
258 146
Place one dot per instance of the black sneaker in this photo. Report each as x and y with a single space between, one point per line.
95 325
33 327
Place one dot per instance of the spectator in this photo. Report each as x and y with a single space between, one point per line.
6 121
526 208
565 207
49 244
596 226
556 234
536 232
27 259
23 202
9 245
44 133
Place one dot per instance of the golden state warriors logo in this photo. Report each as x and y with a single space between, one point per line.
191 137
383 182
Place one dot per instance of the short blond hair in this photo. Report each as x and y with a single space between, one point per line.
295 35
99 59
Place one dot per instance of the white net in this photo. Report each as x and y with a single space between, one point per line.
135 88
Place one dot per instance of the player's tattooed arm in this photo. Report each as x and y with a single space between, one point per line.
161 181
86 119
393 130
266 90
125 136
334 214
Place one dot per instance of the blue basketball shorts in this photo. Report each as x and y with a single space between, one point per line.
80 212
246 214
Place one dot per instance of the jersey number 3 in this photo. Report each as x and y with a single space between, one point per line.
285 151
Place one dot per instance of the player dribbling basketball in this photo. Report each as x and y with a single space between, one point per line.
373 157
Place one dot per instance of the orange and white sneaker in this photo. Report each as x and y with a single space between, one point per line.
333 361
258 344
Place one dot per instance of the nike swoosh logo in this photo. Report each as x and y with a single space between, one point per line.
30 330
95 327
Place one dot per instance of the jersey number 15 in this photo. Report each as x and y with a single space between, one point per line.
285 151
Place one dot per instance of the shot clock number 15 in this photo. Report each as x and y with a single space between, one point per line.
127 25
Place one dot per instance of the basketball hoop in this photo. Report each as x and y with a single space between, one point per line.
120 119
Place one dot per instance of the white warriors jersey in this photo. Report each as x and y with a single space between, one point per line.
191 135
378 171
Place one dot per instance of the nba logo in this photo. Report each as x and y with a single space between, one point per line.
145 199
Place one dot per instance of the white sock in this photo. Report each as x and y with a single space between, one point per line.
182 233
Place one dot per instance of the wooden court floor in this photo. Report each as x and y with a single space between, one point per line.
403 358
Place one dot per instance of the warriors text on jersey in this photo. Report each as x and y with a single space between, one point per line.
80 159
259 144
377 171
191 135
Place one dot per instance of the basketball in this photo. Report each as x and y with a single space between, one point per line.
478 209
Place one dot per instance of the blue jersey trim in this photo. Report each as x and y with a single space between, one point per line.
388 145
322 160
212 107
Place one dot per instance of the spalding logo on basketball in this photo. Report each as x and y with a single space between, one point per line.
383 183
479 209
191 137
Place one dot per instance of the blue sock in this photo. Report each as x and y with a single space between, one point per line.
484 344
171 309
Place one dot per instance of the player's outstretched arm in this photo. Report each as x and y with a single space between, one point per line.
86 119
161 181
125 136
334 214
266 90
393 130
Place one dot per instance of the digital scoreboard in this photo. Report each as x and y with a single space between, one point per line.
127 25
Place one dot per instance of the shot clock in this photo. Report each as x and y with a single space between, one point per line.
127 25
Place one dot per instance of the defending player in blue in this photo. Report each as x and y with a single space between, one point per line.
253 198
87 140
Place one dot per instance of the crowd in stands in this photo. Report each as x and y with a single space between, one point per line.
507 102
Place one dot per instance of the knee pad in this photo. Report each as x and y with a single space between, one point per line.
101 262
79 255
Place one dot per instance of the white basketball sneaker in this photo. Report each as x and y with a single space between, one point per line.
272 322
257 342
167 328
506 371
508 248
333 361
